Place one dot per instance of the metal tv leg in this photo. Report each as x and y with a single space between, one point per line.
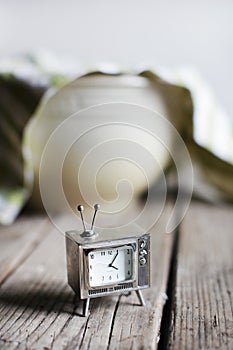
86 304
140 297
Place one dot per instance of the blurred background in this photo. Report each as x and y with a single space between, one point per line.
179 33
144 34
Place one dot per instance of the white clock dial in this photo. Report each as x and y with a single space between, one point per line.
110 266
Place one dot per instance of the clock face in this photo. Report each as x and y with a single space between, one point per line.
110 265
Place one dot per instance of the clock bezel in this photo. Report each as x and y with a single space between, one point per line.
85 288
124 246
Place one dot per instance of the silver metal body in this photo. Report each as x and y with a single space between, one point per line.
78 245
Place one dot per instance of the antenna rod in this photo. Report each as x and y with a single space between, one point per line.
81 209
96 207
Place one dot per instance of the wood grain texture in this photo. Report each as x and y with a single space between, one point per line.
18 241
202 315
38 310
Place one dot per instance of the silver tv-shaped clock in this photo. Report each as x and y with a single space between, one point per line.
108 261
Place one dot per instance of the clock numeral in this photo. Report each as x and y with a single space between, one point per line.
90 267
128 251
110 277
92 256
102 278
90 278
117 276
102 253
110 252
128 273
129 262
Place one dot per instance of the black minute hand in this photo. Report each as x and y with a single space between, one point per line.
110 265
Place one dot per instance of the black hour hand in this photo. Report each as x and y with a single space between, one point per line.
111 263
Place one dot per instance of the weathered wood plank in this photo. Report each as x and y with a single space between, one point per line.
202 315
18 241
39 310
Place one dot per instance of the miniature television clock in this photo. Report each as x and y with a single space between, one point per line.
108 261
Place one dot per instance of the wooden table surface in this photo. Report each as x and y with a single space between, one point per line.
189 305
